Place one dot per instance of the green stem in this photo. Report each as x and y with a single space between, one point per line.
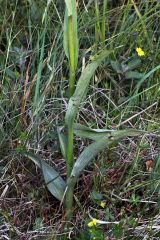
70 160
71 91
69 199
69 204
70 149
71 56
69 193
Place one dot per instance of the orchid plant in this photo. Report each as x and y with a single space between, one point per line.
62 189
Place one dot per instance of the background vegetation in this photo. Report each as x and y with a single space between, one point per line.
124 93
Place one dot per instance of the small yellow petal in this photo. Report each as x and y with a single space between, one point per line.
140 52
102 204
92 223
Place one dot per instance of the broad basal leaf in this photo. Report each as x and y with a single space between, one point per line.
55 184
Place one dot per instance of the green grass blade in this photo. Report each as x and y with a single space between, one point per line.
40 65
97 25
142 21
39 72
41 41
147 75
104 20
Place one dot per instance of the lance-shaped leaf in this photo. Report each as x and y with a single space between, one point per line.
55 183
82 87
71 12
98 134
91 152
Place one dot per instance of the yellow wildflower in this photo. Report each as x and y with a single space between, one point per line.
92 223
102 204
140 52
